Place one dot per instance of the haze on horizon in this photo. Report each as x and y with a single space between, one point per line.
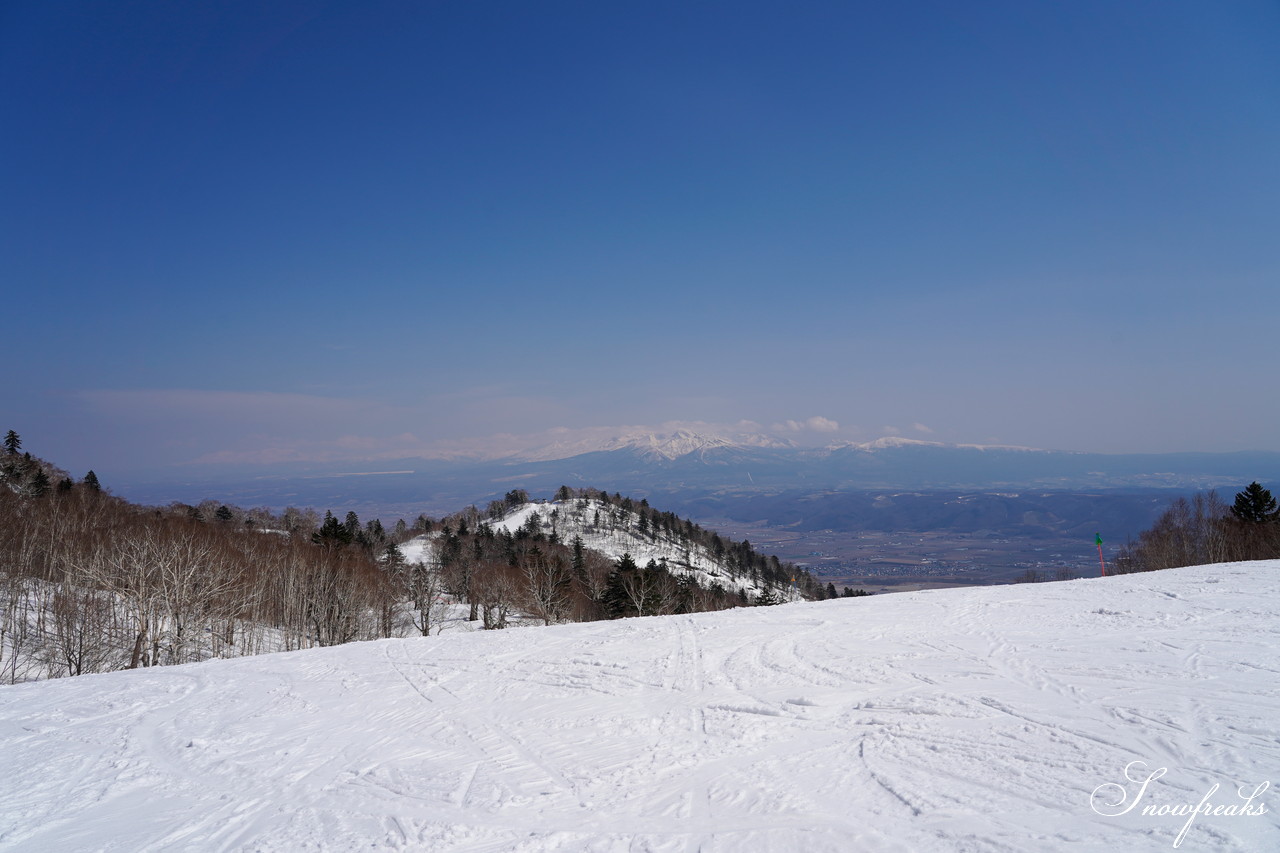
246 233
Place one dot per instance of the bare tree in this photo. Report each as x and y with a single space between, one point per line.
548 584
497 588
425 588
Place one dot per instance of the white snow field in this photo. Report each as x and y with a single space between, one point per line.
986 719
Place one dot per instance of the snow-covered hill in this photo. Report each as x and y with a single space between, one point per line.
615 530
986 719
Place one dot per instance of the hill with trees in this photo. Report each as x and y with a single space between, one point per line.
90 582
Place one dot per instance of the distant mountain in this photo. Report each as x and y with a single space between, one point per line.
686 459
692 461
650 446
750 478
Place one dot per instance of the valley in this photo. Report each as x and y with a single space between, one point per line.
901 562
891 514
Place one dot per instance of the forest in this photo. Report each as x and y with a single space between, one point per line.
90 582
1204 529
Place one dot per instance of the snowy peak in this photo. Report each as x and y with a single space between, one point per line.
671 446
656 446
676 444
890 441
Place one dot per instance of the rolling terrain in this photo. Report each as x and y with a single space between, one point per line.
994 719
872 512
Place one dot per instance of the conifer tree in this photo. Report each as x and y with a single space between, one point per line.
39 484
12 444
91 480
332 534
1255 505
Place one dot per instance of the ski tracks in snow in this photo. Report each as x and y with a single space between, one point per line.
975 720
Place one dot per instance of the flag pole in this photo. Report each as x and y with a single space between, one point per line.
1101 562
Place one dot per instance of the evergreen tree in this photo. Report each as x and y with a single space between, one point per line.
91 480
39 484
394 557
12 444
1255 505
332 534
616 598
224 513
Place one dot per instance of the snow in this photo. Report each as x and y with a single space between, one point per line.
983 719
574 517
419 549
650 445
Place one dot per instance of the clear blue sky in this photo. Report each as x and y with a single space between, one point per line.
237 231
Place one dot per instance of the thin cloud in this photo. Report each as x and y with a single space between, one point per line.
817 423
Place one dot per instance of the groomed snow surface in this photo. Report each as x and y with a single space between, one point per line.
992 719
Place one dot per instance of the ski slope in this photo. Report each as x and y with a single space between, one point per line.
986 719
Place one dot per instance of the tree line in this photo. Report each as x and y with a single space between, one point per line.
1204 529
90 582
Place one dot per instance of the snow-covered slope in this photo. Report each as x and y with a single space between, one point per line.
615 531
988 719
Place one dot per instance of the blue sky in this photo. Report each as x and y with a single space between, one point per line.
248 232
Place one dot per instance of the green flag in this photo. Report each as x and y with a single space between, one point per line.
1098 539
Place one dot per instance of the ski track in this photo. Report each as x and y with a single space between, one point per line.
965 720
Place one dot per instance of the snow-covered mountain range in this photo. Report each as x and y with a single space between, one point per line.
887 462
669 446
1127 713
650 445
712 476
